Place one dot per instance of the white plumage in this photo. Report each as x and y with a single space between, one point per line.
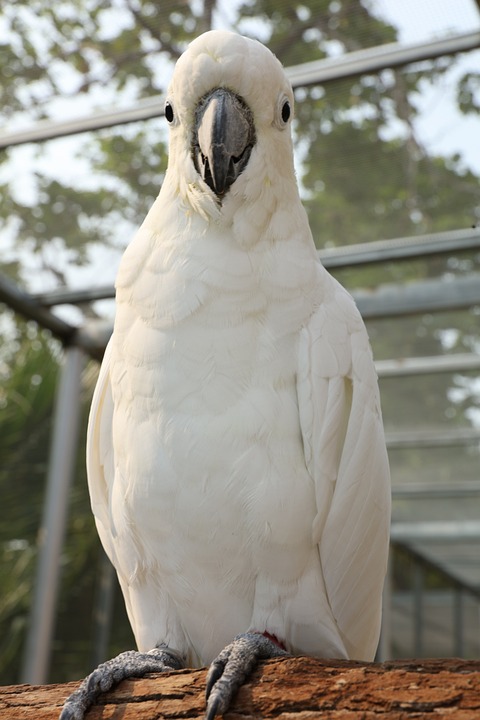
236 456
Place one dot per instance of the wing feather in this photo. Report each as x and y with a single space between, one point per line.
100 460
346 455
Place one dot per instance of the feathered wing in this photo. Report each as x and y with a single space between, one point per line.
100 462
101 470
346 456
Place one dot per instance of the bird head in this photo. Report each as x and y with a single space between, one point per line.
229 107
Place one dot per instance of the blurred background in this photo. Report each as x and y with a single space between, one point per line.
387 136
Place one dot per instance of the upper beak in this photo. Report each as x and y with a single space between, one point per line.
223 139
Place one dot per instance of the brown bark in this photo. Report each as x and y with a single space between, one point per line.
287 689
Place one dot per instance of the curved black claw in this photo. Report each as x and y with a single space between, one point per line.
233 666
108 674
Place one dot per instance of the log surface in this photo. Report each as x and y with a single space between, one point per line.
287 689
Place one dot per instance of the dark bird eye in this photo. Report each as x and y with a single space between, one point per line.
169 112
286 111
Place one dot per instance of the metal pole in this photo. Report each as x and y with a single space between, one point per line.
384 651
103 610
63 455
458 613
319 72
23 303
418 584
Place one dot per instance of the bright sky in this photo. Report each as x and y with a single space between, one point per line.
444 130
419 20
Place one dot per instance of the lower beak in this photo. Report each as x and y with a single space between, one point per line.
223 139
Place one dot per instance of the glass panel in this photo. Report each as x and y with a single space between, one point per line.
428 402
425 335
437 466
436 509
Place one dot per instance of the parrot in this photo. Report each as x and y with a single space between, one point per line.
236 455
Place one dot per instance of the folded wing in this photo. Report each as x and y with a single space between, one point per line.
346 456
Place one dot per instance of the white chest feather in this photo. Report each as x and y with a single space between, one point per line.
204 377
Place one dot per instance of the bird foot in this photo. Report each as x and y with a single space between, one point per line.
233 666
126 665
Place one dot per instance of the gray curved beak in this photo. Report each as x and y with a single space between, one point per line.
224 136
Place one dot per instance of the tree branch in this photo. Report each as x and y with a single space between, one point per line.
295 688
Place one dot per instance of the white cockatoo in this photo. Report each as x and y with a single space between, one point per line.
236 455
